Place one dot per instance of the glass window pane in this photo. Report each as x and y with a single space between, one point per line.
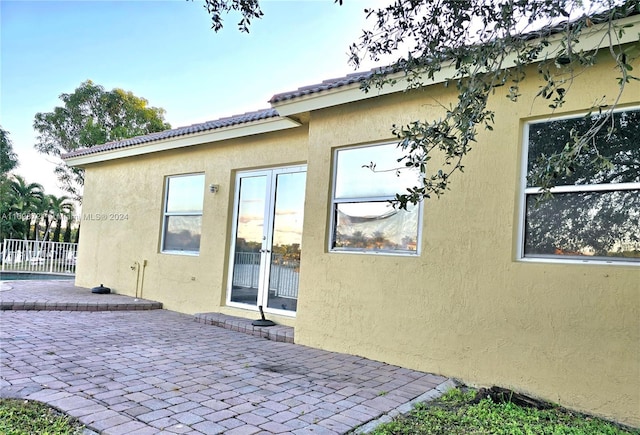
375 226
602 224
622 148
246 277
182 233
185 194
250 225
284 271
355 181
249 238
289 209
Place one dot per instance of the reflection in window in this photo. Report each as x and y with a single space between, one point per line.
354 179
375 226
592 213
363 217
182 233
183 214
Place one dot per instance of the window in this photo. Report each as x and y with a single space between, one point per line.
592 214
183 214
363 219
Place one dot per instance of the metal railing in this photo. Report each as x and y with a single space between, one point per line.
246 269
37 256
283 277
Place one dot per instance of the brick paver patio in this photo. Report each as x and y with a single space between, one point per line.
157 371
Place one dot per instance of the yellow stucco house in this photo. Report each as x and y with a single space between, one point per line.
274 208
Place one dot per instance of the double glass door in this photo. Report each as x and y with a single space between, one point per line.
265 254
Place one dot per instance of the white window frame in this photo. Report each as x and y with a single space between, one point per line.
525 191
335 201
166 215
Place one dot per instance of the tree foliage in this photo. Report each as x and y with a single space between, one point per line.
27 212
53 210
248 9
19 204
490 45
92 116
8 158
8 161
487 45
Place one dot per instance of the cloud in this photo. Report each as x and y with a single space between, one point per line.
288 212
244 219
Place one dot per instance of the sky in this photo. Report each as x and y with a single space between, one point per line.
165 52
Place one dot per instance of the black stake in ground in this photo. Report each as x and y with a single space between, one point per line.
102 290
262 321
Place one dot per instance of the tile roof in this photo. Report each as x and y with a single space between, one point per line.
245 118
630 8
326 85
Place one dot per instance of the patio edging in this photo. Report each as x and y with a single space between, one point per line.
280 333
78 306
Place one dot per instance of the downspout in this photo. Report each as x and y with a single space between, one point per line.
144 265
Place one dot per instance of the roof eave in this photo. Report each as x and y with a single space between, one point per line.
333 97
220 134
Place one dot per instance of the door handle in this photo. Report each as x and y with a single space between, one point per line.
265 251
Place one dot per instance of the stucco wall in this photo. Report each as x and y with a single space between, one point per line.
464 308
569 333
134 187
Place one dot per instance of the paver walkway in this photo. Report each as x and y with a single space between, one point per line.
157 371
62 295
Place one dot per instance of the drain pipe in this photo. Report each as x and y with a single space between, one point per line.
136 267
144 265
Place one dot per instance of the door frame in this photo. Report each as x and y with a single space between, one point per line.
270 190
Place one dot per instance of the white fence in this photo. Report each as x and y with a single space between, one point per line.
283 278
36 256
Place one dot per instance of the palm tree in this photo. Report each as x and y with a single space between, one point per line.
26 200
66 237
9 224
38 212
59 207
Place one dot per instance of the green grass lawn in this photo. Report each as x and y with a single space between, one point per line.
455 413
23 417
